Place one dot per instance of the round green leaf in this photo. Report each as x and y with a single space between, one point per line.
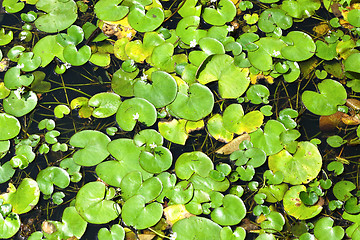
295 207
302 47
324 230
25 197
108 10
77 57
92 206
133 110
174 131
342 190
116 232
156 161
232 212
135 213
225 12
106 104
196 228
9 126
302 167
9 225
51 176
19 107
160 92
194 103
142 22
56 18
332 94
93 146
193 162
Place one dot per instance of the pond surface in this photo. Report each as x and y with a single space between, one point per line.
179 119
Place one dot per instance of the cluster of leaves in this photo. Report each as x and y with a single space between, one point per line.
163 88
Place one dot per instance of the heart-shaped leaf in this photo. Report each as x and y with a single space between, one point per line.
25 197
160 92
116 232
133 110
196 228
324 229
106 104
194 162
77 57
145 22
225 12
9 126
93 147
232 212
307 161
193 103
74 36
92 206
295 207
108 10
20 106
136 214
56 18
51 176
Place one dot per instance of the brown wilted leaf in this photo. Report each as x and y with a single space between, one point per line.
233 145
331 122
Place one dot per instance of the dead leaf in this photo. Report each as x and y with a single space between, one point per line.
233 145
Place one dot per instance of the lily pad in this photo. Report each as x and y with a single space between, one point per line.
108 10
6 171
77 57
324 229
295 207
5 38
232 81
47 48
332 94
133 110
269 139
127 160
232 212
123 82
301 46
51 176
342 190
132 184
225 12
193 162
19 107
187 30
272 18
215 126
74 36
71 225
160 92
196 228
106 104
10 126
145 22
135 213
159 159
56 18
302 167
193 103
116 232
93 146
174 131
24 198
92 206
9 225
